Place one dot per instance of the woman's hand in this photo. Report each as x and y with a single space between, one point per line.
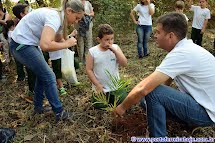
74 33
71 42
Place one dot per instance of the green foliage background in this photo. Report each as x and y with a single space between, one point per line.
115 12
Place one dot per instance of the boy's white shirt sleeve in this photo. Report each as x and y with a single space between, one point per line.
193 7
208 15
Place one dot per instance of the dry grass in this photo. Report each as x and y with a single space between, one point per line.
87 124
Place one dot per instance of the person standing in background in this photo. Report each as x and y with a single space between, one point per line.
84 29
145 9
200 20
4 16
179 7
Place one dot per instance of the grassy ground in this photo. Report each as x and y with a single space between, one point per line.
87 124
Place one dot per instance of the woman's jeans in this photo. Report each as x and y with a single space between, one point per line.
32 58
165 99
143 33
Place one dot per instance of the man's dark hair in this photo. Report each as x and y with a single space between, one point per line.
104 29
174 22
18 9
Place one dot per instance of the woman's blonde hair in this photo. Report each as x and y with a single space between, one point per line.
76 6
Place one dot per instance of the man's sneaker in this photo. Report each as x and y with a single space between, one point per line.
62 91
62 116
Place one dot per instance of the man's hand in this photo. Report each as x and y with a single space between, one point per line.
119 111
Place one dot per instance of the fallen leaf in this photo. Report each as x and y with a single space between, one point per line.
29 137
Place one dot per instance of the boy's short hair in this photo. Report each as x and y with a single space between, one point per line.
104 29
18 9
174 22
179 4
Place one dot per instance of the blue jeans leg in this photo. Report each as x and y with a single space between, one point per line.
165 99
140 35
32 57
147 33
143 35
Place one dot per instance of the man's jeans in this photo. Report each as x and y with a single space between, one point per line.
143 34
165 99
32 57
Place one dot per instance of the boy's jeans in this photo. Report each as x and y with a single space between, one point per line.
181 105
143 33
32 57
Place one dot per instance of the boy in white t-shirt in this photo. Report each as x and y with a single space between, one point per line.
200 20
179 7
103 57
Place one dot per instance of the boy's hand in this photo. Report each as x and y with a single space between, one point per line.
202 31
99 88
110 47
